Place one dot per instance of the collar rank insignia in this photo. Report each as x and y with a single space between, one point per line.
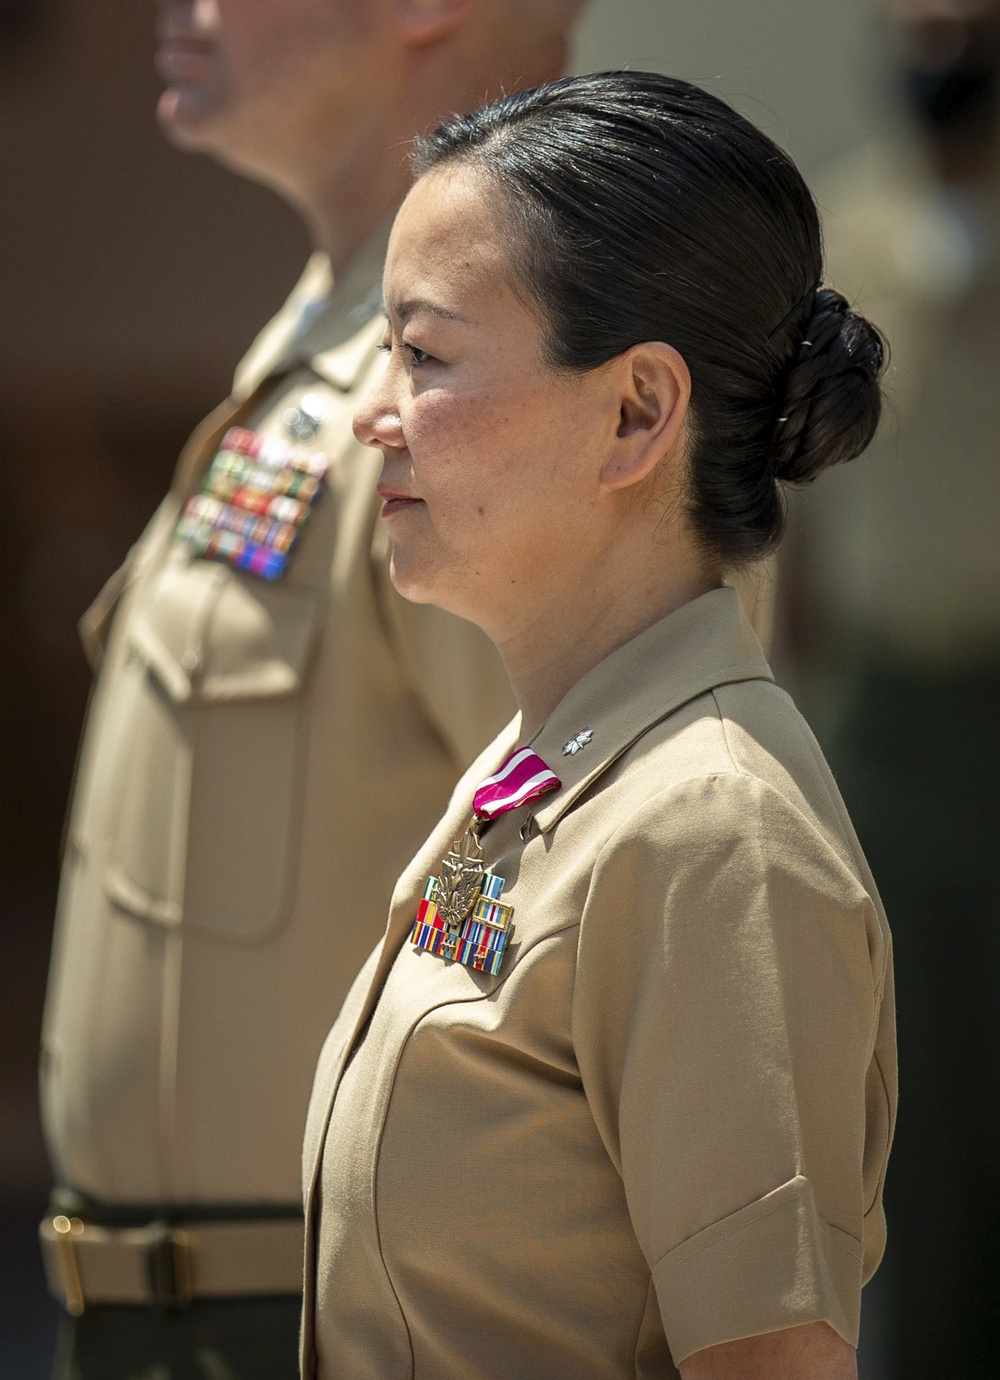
461 917
578 743
253 503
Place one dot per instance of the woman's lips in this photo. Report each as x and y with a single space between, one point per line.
393 501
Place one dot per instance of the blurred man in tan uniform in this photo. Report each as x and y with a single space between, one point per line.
273 731
906 554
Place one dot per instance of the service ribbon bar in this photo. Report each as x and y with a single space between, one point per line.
461 917
481 938
253 503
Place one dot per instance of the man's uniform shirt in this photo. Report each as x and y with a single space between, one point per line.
261 758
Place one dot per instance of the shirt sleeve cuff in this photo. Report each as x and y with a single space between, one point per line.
772 1264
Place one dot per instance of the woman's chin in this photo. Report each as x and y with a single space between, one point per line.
413 584
418 586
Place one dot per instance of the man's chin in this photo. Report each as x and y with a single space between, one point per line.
190 121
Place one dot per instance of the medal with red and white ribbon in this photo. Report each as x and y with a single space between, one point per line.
461 917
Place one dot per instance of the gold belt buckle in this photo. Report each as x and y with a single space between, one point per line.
168 1257
66 1230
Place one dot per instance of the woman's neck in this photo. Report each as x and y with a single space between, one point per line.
567 637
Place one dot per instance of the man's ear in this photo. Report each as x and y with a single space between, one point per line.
654 393
426 21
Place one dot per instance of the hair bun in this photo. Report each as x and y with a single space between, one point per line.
829 401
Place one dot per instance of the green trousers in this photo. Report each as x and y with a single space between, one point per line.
214 1339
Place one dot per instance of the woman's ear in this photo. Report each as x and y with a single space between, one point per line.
654 393
426 21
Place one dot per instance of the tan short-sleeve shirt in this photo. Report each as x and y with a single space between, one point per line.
664 1123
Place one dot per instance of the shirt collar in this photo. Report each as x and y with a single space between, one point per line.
705 643
329 326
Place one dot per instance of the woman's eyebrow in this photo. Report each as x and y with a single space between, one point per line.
410 306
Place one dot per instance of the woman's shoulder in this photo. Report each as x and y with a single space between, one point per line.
736 767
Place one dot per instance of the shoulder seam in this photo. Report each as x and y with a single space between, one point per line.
739 770
744 776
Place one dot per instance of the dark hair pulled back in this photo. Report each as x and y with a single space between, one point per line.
644 208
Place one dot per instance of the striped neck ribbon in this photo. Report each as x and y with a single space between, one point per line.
523 777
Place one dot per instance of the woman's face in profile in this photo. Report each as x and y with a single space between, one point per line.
491 456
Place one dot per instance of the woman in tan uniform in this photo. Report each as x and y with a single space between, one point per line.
614 1096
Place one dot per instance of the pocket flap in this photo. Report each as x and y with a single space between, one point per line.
208 634
130 897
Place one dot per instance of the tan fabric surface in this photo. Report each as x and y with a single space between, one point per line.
259 762
664 1124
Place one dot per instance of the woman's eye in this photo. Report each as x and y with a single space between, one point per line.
417 356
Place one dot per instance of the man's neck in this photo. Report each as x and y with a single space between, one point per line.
343 205
342 211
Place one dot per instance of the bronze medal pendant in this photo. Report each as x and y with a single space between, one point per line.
461 879
461 917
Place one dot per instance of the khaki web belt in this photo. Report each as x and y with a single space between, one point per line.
168 1265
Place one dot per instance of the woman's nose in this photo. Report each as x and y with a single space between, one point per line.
376 420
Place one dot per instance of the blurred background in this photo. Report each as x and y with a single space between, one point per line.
132 279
